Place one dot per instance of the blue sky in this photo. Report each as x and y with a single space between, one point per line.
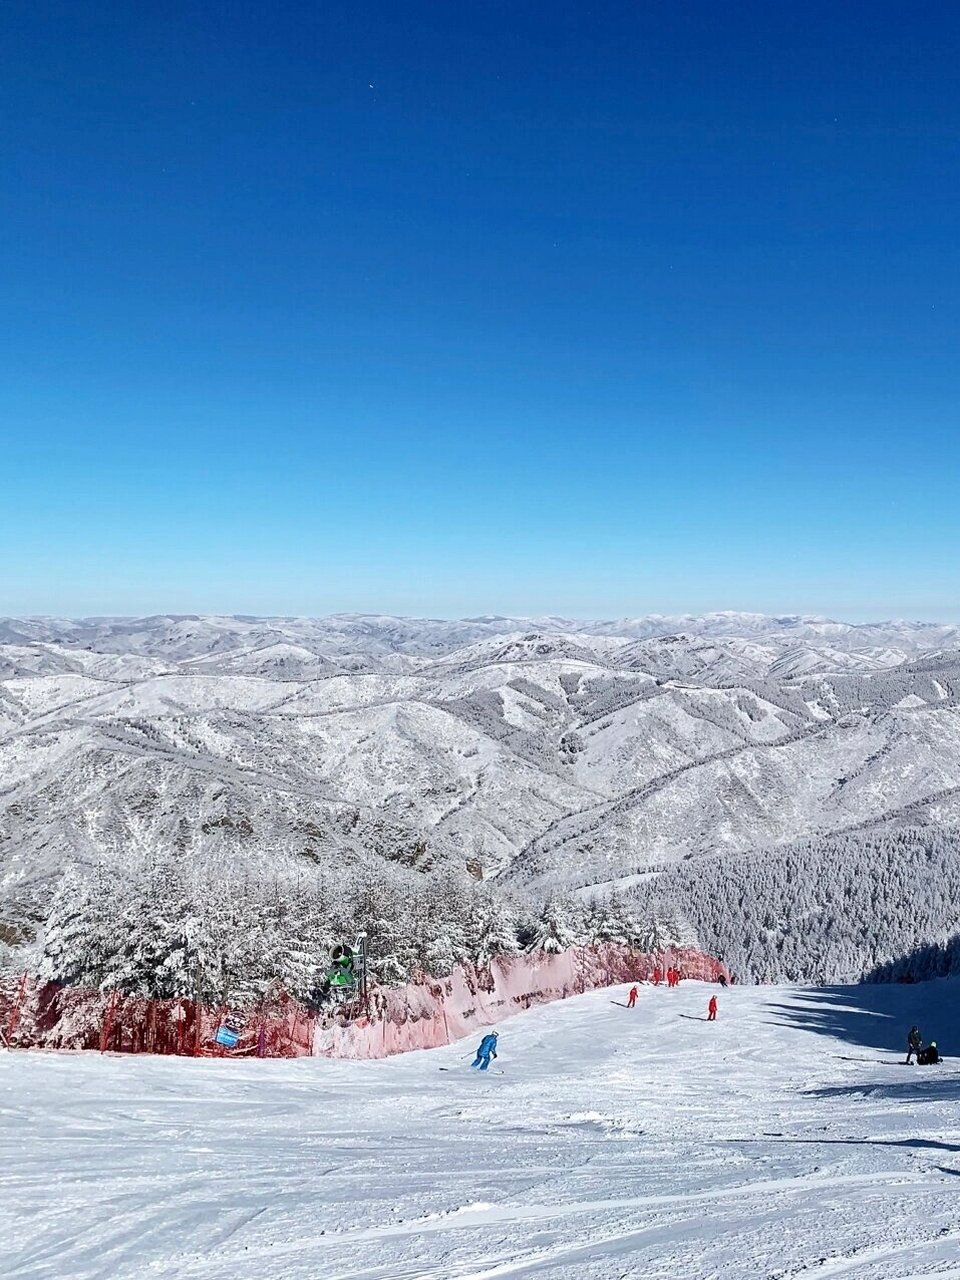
595 309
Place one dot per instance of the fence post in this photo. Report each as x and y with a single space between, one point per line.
106 1031
15 1010
197 1028
178 1015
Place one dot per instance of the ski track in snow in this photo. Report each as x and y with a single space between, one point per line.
616 1144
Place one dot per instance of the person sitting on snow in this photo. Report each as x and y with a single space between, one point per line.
930 1056
487 1050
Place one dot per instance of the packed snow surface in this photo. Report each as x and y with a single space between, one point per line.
784 1141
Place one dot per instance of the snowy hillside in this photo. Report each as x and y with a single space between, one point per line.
834 909
785 1142
548 753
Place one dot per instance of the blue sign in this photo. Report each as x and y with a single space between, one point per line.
228 1038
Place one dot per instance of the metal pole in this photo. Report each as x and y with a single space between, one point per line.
363 969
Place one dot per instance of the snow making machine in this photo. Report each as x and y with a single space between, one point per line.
347 976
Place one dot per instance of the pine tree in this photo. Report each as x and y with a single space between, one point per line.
302 942
77 936
151 904
558 927
609 920
490 929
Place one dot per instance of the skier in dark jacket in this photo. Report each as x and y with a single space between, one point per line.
914 1043
930 1056
487 1050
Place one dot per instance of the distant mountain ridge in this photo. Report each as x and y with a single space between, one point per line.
162 633
550 753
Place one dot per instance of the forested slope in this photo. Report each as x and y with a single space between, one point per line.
831 910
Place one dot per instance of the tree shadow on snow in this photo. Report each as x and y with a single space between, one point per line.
877 1016
919 1144
936 1087
927 1143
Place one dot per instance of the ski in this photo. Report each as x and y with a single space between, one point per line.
491 1071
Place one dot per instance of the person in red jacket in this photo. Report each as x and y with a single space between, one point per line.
657 975
712 1009
632 998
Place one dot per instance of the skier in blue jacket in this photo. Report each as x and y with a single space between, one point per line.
487 1050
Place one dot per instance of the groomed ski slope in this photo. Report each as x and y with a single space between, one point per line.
784 1141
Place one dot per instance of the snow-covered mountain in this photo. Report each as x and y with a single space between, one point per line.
551 753
192 635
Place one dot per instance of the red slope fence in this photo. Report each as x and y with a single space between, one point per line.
36 1015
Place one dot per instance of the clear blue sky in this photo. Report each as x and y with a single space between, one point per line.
593 308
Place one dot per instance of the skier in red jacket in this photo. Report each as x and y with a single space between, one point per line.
657 975
632 998
712 1009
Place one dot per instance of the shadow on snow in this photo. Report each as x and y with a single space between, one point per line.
925 1144
877 1016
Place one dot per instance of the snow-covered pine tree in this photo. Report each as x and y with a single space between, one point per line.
609 920
395 947
443 953
303 940
559 926
659 932
150 904
78 935
442 923
490 928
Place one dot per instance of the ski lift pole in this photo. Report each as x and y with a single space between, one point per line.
362 949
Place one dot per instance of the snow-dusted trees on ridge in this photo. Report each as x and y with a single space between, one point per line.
563 921
832 910
165 928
